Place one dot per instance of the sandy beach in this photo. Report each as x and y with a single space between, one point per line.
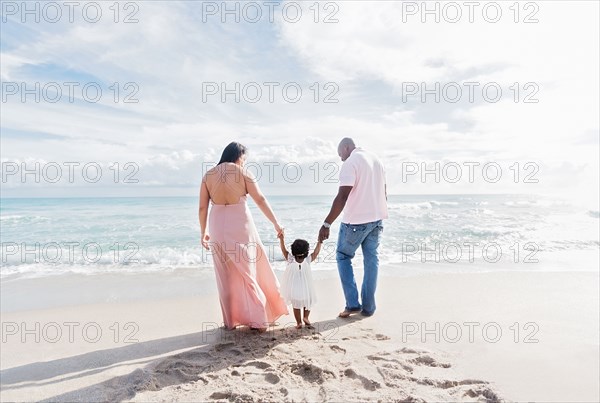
438 337
156 155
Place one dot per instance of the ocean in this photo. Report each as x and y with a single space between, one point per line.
56 236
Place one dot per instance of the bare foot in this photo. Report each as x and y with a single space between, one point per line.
308 324
299 326
259 329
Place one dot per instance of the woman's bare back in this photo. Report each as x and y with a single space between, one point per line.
226 183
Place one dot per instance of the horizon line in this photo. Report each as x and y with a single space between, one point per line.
291 195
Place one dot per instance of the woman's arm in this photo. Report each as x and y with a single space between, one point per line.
283 248
315 253
261 201
203 213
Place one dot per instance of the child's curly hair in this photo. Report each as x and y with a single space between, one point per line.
300 248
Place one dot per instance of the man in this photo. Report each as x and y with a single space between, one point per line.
362 196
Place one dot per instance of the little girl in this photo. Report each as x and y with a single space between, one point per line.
297 285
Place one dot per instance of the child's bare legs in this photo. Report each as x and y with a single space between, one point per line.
298 319
306 321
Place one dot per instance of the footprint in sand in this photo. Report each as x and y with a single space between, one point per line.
220 395
194 355
178 370
412 399
410 351
338 349
391 376
272 378
447 384
311 373
250 376
232 397
488 394
376 336
429 361
223 346
257 364
368 384
390 362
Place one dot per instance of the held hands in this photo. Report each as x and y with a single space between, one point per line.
323 234
279 229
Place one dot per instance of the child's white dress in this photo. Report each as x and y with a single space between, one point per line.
297 284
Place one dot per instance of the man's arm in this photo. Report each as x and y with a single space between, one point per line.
338 204
336 209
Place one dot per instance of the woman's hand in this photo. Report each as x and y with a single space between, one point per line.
279 229
205 239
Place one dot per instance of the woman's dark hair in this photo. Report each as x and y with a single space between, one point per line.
300 248
232 152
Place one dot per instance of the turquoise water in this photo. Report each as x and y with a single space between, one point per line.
43 237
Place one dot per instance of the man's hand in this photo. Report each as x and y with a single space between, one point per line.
323 234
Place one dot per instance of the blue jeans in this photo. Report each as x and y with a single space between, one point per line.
350 238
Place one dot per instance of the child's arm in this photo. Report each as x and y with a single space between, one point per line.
315 253
282 245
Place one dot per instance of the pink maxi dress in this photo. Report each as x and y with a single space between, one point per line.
248 288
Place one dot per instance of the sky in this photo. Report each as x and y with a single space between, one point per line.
415 84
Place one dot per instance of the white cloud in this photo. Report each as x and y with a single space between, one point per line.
369 54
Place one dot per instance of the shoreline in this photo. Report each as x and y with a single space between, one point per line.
77 288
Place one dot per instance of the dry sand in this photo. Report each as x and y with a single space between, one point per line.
176 352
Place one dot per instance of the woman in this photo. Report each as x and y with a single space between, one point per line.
248 289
